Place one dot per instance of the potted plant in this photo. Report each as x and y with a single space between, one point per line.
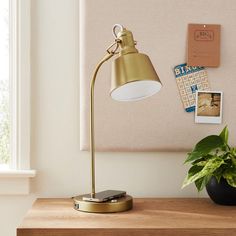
213 165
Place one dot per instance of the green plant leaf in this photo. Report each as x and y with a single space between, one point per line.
218 177
234 161
233 151
230 176
225 134
192 171
212 165
201 160
205 146
201 183
201 163
219 172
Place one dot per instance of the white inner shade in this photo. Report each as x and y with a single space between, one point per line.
136 90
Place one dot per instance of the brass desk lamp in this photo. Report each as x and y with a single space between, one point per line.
133 78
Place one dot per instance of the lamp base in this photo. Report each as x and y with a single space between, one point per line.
117 205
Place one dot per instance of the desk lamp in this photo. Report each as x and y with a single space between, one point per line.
133 78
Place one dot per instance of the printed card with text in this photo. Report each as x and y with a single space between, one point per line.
189 79
203 45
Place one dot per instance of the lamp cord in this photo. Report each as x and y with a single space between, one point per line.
114 29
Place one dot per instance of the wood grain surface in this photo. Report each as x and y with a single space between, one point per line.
185 217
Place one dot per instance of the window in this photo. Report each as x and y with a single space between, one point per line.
15 97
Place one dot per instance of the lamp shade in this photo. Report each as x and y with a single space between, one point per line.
133 78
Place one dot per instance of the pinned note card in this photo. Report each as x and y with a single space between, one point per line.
189 79
203 47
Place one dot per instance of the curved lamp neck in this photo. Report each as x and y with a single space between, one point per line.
133 67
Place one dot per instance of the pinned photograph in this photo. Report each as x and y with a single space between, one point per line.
208 107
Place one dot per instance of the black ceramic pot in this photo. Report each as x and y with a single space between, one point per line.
221 193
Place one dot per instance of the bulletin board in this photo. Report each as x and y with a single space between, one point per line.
158 123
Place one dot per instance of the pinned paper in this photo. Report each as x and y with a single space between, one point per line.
203 45
189 79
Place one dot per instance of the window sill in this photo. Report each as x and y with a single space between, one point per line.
15 182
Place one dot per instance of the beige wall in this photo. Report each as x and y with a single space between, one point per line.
63 170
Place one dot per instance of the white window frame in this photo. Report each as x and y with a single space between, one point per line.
16 179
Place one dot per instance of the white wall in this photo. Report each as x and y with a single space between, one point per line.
63 170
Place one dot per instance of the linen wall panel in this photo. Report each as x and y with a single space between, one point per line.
158 123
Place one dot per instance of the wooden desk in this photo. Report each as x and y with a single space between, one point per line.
164 217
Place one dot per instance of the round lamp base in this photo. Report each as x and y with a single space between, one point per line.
117 205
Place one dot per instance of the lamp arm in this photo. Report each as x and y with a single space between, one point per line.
92 138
